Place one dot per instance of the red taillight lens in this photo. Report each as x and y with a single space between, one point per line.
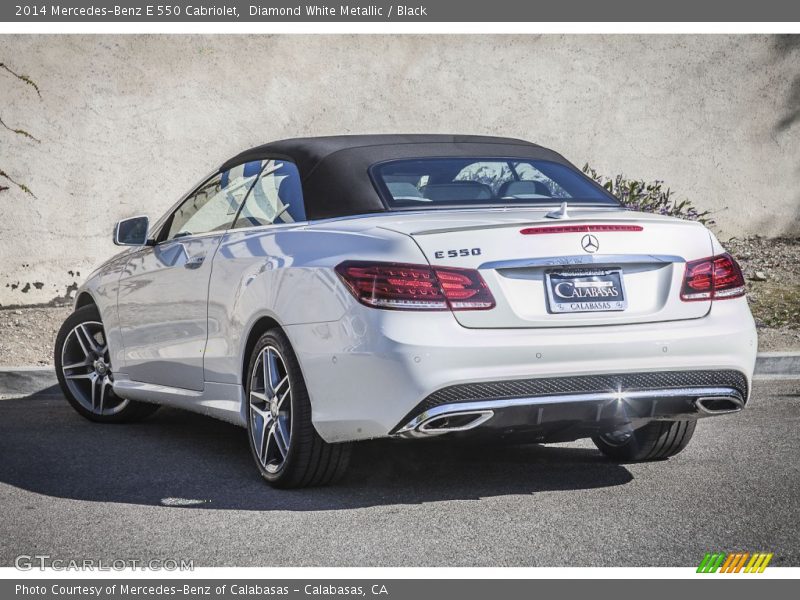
713 278
415 287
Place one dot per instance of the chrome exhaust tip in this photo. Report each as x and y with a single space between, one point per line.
462 421
426 425
719 405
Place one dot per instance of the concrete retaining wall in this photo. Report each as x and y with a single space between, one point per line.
128 123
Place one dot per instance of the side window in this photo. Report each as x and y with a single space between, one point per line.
277 197
213 206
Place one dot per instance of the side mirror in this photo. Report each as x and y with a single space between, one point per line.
132 232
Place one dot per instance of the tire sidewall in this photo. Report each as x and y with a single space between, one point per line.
642 446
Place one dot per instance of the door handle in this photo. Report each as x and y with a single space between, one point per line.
195 262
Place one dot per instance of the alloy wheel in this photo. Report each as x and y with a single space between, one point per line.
86 366
620 437
270 399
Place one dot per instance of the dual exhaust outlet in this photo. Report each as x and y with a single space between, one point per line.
450 422
465 416
719 405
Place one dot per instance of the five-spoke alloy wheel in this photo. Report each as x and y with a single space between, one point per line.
270 409
287 449
86 367
83 367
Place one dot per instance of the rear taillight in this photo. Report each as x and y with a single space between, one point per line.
714 278
415 287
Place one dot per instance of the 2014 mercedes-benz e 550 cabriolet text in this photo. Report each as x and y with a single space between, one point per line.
326 290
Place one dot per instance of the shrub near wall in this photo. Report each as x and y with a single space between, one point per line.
652 196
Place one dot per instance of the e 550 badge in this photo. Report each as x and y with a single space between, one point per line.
457 253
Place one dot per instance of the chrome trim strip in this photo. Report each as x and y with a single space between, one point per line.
583 259
415 424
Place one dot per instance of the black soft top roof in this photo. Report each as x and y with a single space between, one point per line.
335 170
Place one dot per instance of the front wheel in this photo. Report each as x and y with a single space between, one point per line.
83 368
287 449
654 441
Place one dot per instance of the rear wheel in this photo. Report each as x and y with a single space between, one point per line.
83 368
654 441
287 449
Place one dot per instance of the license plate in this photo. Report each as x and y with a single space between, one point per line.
585 291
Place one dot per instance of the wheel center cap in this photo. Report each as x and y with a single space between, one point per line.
273 407
100 367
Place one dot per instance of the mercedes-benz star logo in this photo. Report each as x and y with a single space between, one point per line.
590 243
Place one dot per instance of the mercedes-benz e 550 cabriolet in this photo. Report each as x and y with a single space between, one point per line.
322 291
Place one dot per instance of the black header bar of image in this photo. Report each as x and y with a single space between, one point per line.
412 11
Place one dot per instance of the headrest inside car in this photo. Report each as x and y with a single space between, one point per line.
524 189
403 189
457 190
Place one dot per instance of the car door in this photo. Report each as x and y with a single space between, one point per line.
250 253
163 292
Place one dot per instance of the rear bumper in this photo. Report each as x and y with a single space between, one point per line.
567 408
370 373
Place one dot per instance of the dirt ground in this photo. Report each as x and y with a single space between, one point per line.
27 335
772 269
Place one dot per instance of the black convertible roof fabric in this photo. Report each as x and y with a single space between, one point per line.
335 170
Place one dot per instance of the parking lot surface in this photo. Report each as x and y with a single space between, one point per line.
182 486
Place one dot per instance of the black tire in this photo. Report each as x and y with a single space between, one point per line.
655 441
117 410
309 460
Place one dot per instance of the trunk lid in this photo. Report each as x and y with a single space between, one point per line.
521 270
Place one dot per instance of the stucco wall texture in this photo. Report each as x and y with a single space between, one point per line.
129 123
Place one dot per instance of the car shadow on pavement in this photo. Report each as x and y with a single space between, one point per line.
176 458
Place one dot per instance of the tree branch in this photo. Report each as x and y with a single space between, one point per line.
23 78
21 132
21 186
28 81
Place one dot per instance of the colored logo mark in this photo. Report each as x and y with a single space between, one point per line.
739 562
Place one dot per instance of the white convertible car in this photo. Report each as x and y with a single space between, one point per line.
326 290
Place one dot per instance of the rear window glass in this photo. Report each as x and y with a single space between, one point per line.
440 182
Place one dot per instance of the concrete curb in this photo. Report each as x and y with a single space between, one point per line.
26 381
16 382
777 363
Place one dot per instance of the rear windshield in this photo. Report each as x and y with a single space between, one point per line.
443 182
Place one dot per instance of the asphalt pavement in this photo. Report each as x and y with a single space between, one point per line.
182 486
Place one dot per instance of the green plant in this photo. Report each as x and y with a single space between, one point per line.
17 130
651 196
